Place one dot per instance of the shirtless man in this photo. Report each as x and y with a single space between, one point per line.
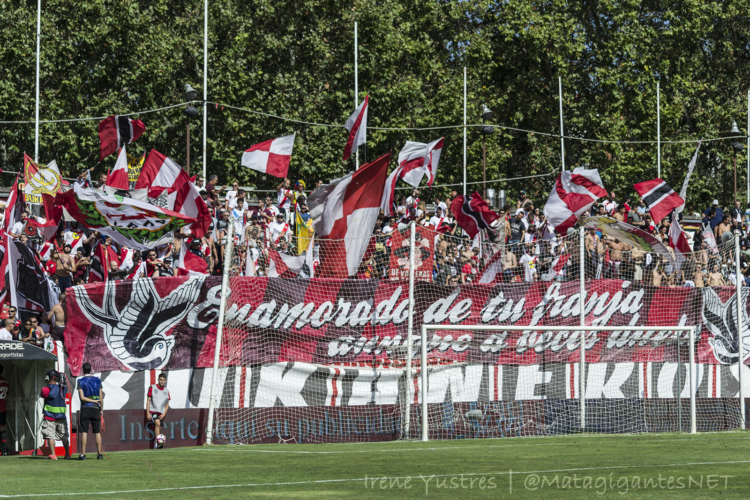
509 265
57 318
65 267
715 278
620 213
724 226
616 248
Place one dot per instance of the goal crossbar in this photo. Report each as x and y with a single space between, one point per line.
521 328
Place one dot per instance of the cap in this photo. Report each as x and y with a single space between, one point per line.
523 192
519 211
715 202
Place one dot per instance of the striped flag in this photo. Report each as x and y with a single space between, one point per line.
357 127
117 131
572 196
659 198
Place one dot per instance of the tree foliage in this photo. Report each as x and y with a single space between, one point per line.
295 59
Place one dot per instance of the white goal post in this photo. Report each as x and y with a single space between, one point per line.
574 330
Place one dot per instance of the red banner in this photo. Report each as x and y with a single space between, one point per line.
424 244
171 322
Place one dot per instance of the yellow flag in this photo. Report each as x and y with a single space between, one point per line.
135 165
304 231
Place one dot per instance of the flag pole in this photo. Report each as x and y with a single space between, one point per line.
36 114
562 130
464 130
205 80
658 132
356 89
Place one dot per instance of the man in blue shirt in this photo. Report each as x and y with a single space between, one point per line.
90 415
716 219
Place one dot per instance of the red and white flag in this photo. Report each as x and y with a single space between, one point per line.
472 214
494 270
557 266
357 127
117 131
574 193
344 213
118 178
436 149
160 173
418 159
270 157
678 242
98 270
187 201
13 208
188 261
659 198
284 265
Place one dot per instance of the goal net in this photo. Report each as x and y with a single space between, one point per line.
338 357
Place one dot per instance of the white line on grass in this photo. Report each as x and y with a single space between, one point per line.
230 449
360 479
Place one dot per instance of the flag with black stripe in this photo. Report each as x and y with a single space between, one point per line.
659 198
118 131
473 214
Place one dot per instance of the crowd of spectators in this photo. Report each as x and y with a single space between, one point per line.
525 245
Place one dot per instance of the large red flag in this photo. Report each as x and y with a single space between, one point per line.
160 173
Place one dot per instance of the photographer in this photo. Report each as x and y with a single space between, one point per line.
55 425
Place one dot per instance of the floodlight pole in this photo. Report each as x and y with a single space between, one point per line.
356 89
562 130
658 131
205 82
465 130
36 112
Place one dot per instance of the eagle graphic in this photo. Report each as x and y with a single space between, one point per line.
137 335
721 320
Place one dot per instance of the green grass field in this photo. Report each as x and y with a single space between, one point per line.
643 466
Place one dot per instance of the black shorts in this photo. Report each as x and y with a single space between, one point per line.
154 416
3 418
90 415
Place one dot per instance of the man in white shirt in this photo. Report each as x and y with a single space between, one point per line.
238 201
17 228
440 203
413 200
284 196
231 196
610 205
529 265
437 220
278 228
6 331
